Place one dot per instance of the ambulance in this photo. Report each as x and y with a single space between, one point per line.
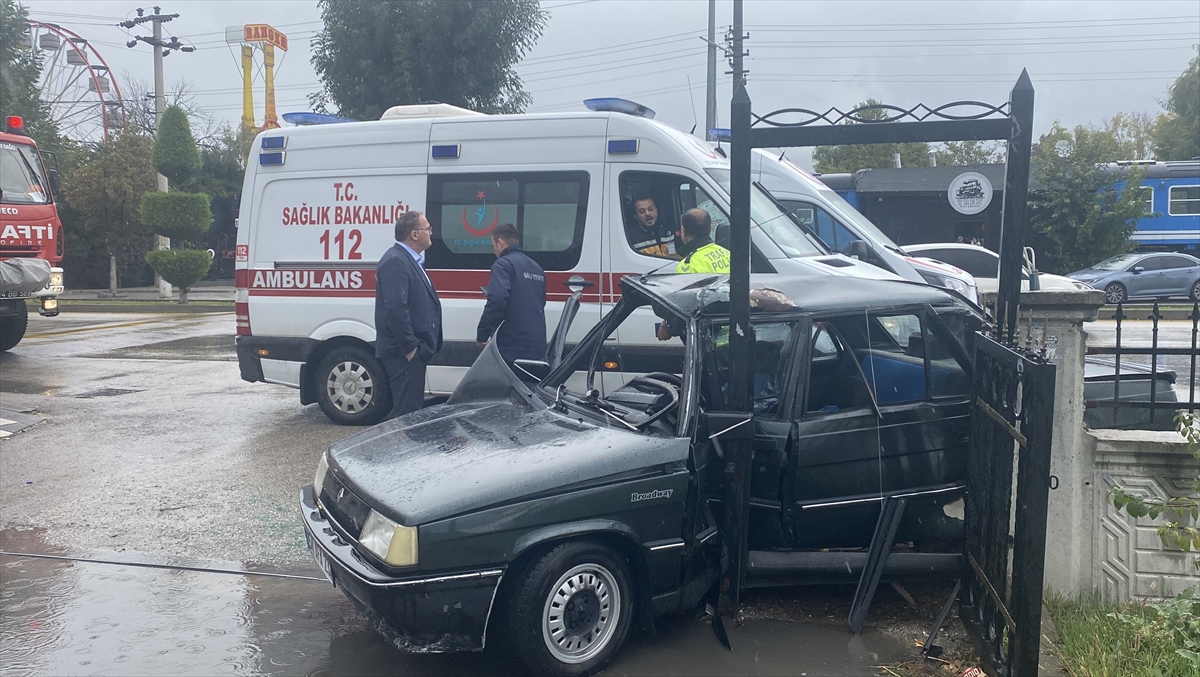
319 204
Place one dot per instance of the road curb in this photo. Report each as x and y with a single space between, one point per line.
173 308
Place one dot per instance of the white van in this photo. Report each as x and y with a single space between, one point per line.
319 204
839 225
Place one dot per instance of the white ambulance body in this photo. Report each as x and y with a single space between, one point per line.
319 205
838 224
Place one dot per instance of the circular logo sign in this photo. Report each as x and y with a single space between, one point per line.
970 193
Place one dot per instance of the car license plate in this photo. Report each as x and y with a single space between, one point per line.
14 295
319 555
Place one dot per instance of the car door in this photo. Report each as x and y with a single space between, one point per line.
1178 275
834 465
1144 282
921 379
772 357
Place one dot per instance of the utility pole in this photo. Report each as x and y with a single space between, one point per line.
164 287
710 105
740 451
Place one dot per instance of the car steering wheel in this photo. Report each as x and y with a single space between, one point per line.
658 385
671 379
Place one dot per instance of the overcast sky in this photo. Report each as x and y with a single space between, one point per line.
1088 59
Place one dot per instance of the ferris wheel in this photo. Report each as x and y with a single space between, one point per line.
83 97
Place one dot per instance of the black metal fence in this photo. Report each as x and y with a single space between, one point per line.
1147 389
1011 425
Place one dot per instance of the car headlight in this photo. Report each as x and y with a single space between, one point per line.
393 543
945 282
56 277
319 478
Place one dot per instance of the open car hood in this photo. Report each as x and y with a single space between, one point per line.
488 446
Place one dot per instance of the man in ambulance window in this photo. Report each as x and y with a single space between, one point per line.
647 230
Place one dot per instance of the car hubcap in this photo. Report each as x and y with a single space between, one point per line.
1116 294
350 387
581 613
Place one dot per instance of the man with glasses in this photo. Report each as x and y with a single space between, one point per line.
408 314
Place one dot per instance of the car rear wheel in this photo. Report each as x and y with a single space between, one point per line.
12 327
352 387
1196 291
570 609
1114 293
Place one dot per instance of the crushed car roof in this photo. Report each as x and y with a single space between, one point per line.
693 294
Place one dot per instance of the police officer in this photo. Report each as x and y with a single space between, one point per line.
700 254
516 297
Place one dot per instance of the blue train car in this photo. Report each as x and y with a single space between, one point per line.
1172 194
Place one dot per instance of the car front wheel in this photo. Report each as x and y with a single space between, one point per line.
570 609
1114 293
352 387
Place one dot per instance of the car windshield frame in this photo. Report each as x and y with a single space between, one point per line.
793 240
585 355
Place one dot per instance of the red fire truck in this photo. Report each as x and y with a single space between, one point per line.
31 237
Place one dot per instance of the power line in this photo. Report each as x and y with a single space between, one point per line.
1000 25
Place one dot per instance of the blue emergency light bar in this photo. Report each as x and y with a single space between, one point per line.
273 142
614 105
270 159
446 152
305 119
720 134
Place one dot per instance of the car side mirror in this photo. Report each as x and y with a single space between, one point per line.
1137 270
531 370
55 183
858 249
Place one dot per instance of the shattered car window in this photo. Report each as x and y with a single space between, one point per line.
771 353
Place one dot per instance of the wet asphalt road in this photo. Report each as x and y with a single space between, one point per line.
151 450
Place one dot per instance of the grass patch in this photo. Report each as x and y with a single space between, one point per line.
1129 640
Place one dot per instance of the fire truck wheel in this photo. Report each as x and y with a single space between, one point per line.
12 327
352 388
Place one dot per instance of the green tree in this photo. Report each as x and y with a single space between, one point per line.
177 215
181 267
1133 134
960 153
374 55
1178 134
20 68
103 188
1079 208
831 159
176 155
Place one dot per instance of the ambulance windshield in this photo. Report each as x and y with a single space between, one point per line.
773 221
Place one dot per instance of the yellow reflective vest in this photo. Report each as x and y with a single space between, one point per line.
711 258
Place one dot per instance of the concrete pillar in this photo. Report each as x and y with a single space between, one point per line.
1057 318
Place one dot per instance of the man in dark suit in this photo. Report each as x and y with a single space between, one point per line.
516 301
408 314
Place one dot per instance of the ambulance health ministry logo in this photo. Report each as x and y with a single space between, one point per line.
970 193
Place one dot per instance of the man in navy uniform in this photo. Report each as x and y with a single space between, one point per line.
516 297
408 314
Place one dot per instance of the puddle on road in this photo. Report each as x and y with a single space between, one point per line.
216 348
74 618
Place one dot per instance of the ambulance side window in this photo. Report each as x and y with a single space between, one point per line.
548 208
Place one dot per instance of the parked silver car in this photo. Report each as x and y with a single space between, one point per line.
1146 275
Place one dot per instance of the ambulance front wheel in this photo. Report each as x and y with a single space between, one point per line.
352 388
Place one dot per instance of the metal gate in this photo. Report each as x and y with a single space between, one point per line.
1005 545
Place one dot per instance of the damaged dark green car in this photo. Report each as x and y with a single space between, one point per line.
546 509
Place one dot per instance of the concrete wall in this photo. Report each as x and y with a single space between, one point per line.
1129 560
